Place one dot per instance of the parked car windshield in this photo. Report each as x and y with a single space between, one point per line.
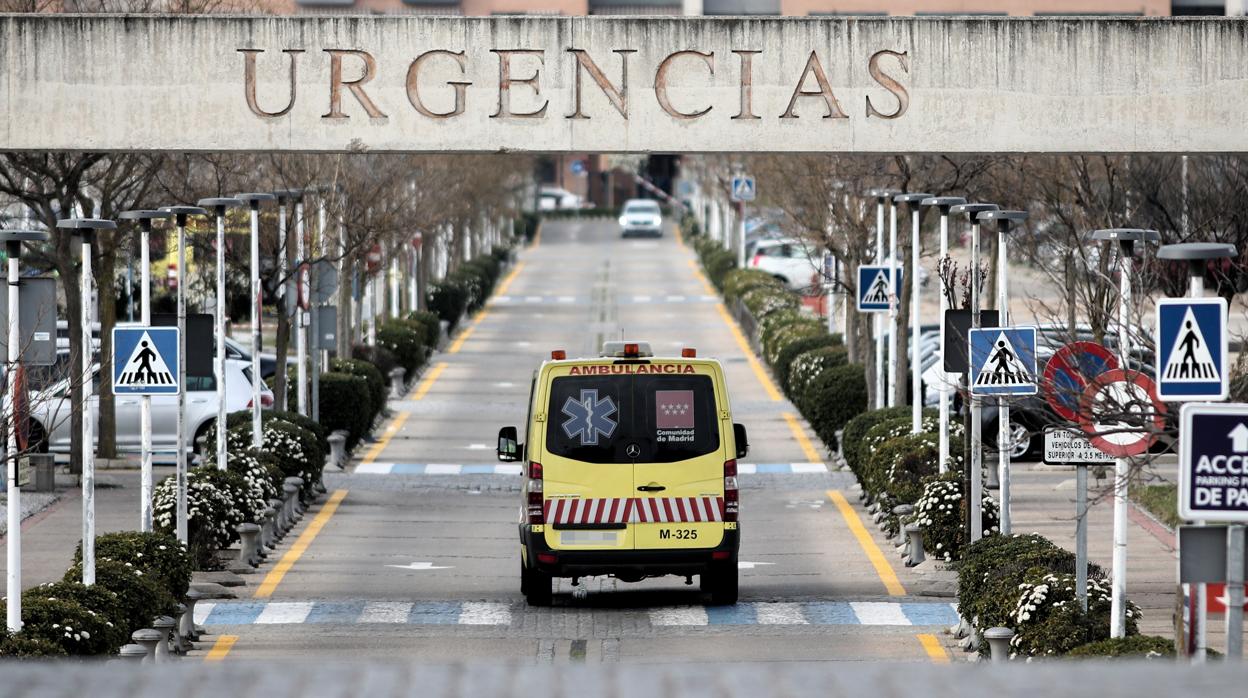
632 419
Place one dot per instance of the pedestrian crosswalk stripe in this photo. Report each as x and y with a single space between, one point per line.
1190 360
513 469
504 613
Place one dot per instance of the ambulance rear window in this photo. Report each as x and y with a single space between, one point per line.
627 419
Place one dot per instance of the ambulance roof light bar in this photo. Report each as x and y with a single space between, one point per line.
626 350
558 354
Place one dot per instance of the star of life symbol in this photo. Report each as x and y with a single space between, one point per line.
589 417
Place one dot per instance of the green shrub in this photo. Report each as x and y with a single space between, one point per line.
93 598
738 282
402 339
786 355
430 326
77 630
854 436
294 450
993 568
159 556
779 337
1134 646
1048 620
717 264
449 299
317 448
764 301
805 367
139 597
883 431
380 357
369 372
343 403
212 513
941 511
833 398
20 646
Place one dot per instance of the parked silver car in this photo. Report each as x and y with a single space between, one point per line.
50 412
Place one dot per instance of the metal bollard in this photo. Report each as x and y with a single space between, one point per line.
279 522
186 624
300 504
133 652
396 382
179 642
915 533
338 449
999 643
164 626
148 638
267 519
288 506
248 533
994 478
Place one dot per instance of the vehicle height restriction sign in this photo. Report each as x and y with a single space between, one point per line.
1213 462
145 360
1191 349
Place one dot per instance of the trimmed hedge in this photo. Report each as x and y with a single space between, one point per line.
212 512
104 603
941 511
402 339
376 382
343 397
805 368
157 555
833 398
429 324
139 596
738 282
786 355
1134 646
380 357
75 629
856 431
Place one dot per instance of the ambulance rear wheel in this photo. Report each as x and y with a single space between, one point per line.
535 585
721 582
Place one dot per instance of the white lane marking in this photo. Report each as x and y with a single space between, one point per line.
509 469
374 468
679 615
879 613
386 612
284 612
780 614
532 299
743 565
483 613
202 611
477 447
746 469
504 384
420 566
675 299
501 299
641 299
809 468
565 299
443 469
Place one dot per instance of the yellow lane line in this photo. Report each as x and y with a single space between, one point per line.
430 377
480 317
812 454
502 288
755 366
537 237
882 568
697 274
680 240
274 577
220 648
935 651
385 438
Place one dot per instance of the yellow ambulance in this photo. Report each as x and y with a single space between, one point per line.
630 470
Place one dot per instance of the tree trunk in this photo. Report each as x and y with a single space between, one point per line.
345 329
903 330
104 267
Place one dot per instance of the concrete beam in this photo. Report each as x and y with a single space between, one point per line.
412 83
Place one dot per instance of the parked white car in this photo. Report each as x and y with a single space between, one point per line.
50 411
558 199
641 217
787 260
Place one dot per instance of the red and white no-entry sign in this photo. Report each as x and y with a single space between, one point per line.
1121 413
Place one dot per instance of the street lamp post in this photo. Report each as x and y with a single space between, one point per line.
1006 221
145 219
301 325
944 203
975 486
892 301
13 240
286 291
181 213
1197 255
253 200
87 228
877 322
914 201
219 206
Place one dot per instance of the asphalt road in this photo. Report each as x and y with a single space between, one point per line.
419 559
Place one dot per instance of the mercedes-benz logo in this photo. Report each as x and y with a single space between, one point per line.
633 450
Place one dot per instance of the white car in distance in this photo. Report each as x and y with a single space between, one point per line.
641 217
787 260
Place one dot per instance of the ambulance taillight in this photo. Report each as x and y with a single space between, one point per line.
688 353
731 493
536 511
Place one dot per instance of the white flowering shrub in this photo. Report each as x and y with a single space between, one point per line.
140 596
809 364
159 555
1049 621
293 449
260 476
940 512
212 515
76 629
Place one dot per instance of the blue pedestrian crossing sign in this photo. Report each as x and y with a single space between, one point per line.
875 288
743 188
1191 346
145 360
1003 361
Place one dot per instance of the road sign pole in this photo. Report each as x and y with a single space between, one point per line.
256 300
977 404
301 331
1122 467
915 201
944 203
318 249
219 207
877 322
741 235
1235 592
892 303
1004 440
1081 535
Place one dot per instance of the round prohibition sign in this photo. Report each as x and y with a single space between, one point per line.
304 286
1068 372
1135 414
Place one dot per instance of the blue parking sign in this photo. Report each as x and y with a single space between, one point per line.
875 288
145 361
1191 349
1003 361
1213 450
